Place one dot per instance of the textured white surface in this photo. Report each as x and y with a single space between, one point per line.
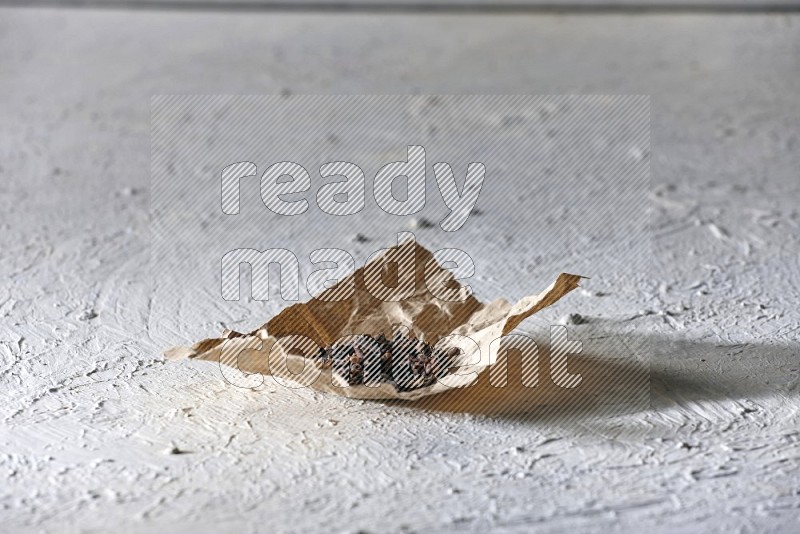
90 412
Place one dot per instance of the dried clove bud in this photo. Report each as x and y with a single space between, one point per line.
405 362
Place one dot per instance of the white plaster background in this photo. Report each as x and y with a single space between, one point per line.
90 412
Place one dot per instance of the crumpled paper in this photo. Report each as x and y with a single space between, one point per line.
467 324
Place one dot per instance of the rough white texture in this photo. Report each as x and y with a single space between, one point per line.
92 416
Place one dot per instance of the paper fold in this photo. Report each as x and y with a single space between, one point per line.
469 325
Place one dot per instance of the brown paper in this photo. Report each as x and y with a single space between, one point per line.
266 351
